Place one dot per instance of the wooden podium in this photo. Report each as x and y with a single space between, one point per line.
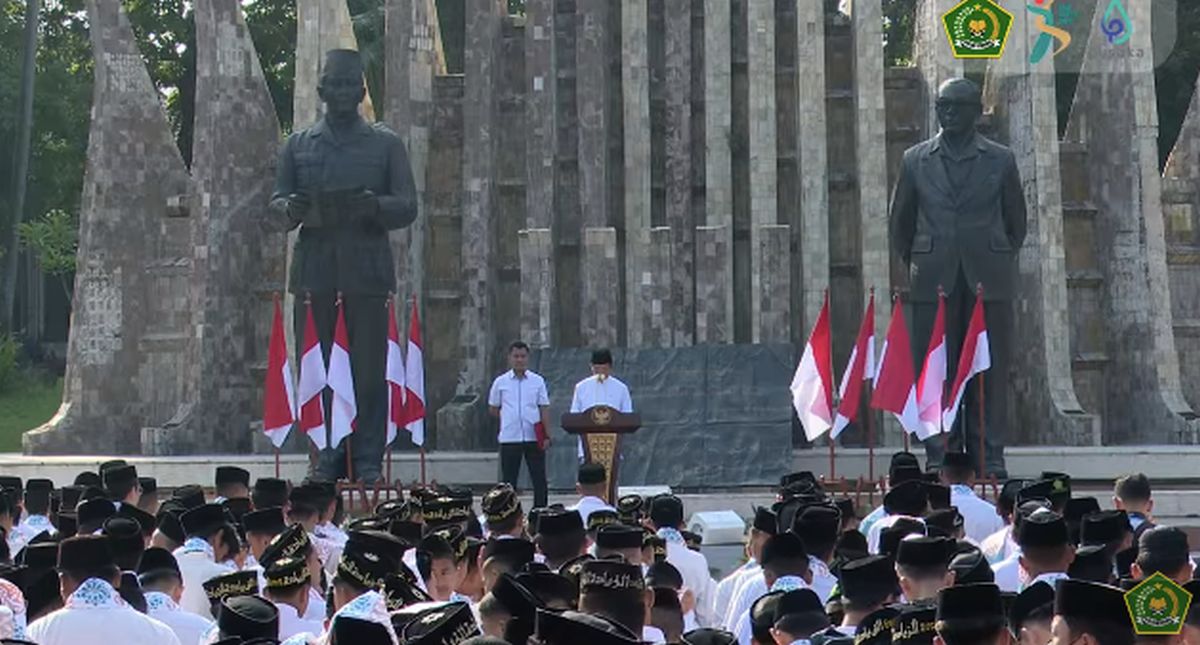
600 427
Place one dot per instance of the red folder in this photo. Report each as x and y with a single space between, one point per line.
543 439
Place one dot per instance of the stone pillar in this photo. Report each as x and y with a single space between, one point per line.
1022 99
772 287
591 98
131 326
1115 115
479 177
718 178
635 91
871 176
537 286
239 261
931 50
601 275
538 290
812 264
414 38
760 42
714 261
678 176
653 291
1181 207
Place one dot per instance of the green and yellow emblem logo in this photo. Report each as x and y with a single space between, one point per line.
1157 606
977 28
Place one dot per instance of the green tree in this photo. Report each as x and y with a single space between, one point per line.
54 240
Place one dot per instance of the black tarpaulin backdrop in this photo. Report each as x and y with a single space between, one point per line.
716 415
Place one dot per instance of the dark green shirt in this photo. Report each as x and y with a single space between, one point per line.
345 252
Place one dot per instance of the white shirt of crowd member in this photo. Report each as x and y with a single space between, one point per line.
519 398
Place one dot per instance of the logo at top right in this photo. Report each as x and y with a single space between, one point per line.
1115 23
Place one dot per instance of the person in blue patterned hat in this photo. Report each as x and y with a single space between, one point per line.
201 554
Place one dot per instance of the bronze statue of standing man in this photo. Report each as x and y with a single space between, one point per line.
345 183
958 220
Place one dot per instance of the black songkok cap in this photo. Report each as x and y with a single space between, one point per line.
889 539
347 629
453 536
946 520
84 552
559 523
111 463
1078 508
1123 560
1091 601
1033 600
938 494
518 551
149 485
573 568
666 510
629 508
169 524
602 518
664 574
762 612
765 520
970 607
618 536
119 476
88 478
847 508
611 578
925 552
909 498
237 507
902 474
70 496
293 542
1162 548
1008 493
270 491
1092 562
124 534
516 599
868 577
367 560
203 520
818 526
800 611
92 513
916 625
574 628
591 473
268 520
1043 529
708 636
157 560
1060 484
287 572
248 617
145 521
500 503
42 555
1104 527
602 357
342 62
192 496
400 590
903 459
783 546
232 475
448 624
406 531
797 477
876 628
228 585
971 568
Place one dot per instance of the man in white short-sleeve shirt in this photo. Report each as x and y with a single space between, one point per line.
519 399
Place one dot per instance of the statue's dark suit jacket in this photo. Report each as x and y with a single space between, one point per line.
980 226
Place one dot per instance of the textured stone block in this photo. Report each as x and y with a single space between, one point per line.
131 331
714 306
771 291
635 91
537 287
601 278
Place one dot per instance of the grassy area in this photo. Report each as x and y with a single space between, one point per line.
29 403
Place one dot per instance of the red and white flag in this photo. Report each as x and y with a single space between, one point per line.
279 396
343 411
313 379
860 367
895 383
395 378
975 357
812 385
414 397
932 384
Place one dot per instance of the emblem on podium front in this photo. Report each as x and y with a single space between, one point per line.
601 415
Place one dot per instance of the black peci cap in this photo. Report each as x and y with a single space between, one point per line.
267 521
925 552
202 520
448 624
970 607
229 585
869 577
1043 529
1035 600
971 568
1091 601
591 473
619 536
915 625
1103 527
908 498
84 552
559 523
247 617
232 475
156 560
876 628
1092 562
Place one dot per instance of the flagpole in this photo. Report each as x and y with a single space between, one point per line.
832 439
277 462
982 429
422 465
870 435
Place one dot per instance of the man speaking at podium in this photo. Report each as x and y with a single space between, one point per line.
601 388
